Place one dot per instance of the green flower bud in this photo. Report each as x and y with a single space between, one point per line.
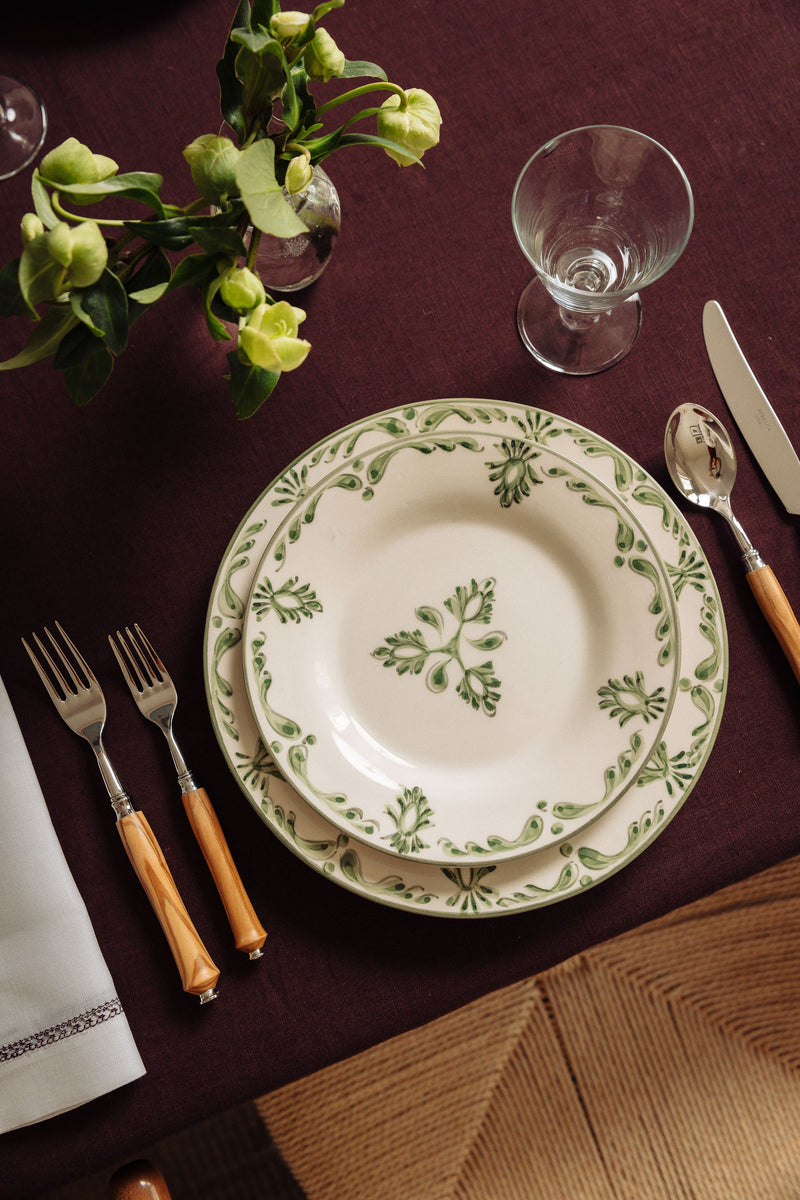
72 162
241 289
30 227
89 254
416 126
288 25
59 244
212 161
323 59
269 339
299 174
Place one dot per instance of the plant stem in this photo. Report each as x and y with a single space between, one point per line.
378 86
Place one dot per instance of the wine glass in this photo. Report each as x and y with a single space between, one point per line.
23 124
599 212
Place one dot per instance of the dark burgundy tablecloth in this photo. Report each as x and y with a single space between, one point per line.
122 511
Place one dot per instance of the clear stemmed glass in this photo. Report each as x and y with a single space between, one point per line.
23 124
600 212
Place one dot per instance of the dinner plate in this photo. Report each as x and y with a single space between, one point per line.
459 648
612 840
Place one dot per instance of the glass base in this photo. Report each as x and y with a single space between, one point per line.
575 343
23 124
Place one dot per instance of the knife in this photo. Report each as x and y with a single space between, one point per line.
753 413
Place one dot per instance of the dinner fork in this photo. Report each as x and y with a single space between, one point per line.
156 698
79 701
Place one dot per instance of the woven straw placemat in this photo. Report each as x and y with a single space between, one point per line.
662 1065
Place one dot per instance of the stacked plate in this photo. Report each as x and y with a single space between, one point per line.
465 658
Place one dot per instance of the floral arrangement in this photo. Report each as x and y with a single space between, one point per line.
84 280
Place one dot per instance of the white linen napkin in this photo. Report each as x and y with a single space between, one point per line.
64 1038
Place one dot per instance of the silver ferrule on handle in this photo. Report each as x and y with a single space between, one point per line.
120 800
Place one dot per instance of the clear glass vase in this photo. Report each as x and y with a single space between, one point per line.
288 264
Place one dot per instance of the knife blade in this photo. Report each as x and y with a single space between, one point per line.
753 413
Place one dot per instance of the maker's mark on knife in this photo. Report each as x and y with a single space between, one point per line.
757 420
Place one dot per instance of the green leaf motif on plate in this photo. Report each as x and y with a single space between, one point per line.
628 698
290 602
408 652
387 885
531 832
257 768
513 474
410 814
612 776
690 571
472 893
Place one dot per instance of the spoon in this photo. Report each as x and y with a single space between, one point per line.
702 463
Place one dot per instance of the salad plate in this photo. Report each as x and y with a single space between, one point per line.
456 658
612 839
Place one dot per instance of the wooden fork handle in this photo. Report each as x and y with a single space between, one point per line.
247 929
776 608
197 971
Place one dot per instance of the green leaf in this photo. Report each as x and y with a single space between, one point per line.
12 302
137 185
193 271
149 282
106 302
41 202
362 70
224 242
76 302
215 327
261 75
262 194
250 386
75 345
85 378
322 10
372 139
44 340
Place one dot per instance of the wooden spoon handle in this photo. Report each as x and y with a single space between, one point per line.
776 608
248 932
197 971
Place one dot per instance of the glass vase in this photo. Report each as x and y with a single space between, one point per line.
288 264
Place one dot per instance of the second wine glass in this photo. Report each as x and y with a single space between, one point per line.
600 212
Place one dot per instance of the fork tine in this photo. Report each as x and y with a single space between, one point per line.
40 671
128 665
78 683
145 648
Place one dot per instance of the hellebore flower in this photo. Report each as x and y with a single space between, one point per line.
287 25
241 289
82 251
323 59
212 161
72 162
299 174
416 126
269 338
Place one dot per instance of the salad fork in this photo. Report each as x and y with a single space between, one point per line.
156 697
79 701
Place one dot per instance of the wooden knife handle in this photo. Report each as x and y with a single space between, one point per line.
248 932
139 1180
197 971
778 611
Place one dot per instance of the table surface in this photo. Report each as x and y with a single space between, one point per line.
121 511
